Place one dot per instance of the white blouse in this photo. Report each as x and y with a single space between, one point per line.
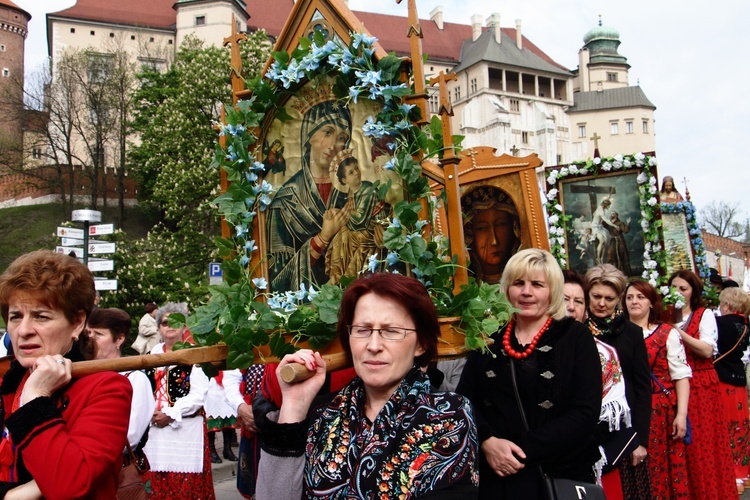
708 331
676 358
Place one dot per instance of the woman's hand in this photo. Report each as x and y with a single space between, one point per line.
503 456
297 397
160 419
245 412
638 456
48 374
679 426
27 491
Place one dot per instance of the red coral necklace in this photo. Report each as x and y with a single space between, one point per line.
525 354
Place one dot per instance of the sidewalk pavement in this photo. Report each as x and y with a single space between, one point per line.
225 474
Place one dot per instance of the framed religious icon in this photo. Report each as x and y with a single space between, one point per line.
679 251
324 167
683 240
603 209
501 209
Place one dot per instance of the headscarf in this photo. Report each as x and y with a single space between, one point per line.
331 112
419 442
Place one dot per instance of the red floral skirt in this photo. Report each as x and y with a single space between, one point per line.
736 414
709 460
667 458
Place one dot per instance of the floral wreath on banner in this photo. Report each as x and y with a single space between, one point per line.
654 256
233 314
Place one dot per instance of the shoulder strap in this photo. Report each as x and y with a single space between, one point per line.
744 331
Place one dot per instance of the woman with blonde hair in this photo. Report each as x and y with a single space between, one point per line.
557 371
608 324
730 363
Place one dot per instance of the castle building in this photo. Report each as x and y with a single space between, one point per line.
606 105
13 30
508 94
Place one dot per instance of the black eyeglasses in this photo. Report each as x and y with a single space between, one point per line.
390 333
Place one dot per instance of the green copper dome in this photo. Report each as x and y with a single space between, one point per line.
601 33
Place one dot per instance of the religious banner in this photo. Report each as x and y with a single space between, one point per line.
604 211
683 240
501 209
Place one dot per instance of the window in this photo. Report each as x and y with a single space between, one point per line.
559 159
457 93
111 35
525 137
151 39
614 128
92 32
169 42
611 77
514 106
36 152
6 72
2 47
434 102
629 127
200 20
473 85
72 30
645 126
582 130
132 37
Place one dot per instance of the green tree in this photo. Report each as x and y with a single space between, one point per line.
175 115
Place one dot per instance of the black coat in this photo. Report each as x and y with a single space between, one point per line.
560 385
733 339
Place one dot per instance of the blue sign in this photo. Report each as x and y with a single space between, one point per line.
214 270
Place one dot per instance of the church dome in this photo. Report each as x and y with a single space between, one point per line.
601 33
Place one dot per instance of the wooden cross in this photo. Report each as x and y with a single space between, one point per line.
234 40
514 150
596 138
592 192
445 111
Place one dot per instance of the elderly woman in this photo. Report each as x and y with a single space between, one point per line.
608 324
384 435
734 305
109 328
670 392
177 446
709 459
63 440
492 230
559 382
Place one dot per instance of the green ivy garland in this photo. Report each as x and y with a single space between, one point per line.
234 314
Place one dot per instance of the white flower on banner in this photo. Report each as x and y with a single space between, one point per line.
652 201
552 194
642 177
553 219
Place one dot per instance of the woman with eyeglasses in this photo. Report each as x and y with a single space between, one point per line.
384 434
558 376
177 446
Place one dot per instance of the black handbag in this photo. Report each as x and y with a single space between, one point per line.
558 488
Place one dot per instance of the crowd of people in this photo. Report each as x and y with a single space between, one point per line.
588 382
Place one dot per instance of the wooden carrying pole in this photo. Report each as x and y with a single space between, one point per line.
196 355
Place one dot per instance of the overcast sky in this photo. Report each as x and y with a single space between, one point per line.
690 60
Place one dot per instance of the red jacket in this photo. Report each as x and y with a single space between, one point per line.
71 443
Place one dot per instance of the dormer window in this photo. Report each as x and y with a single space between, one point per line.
200 20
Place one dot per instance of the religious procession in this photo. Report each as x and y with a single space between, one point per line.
399 311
